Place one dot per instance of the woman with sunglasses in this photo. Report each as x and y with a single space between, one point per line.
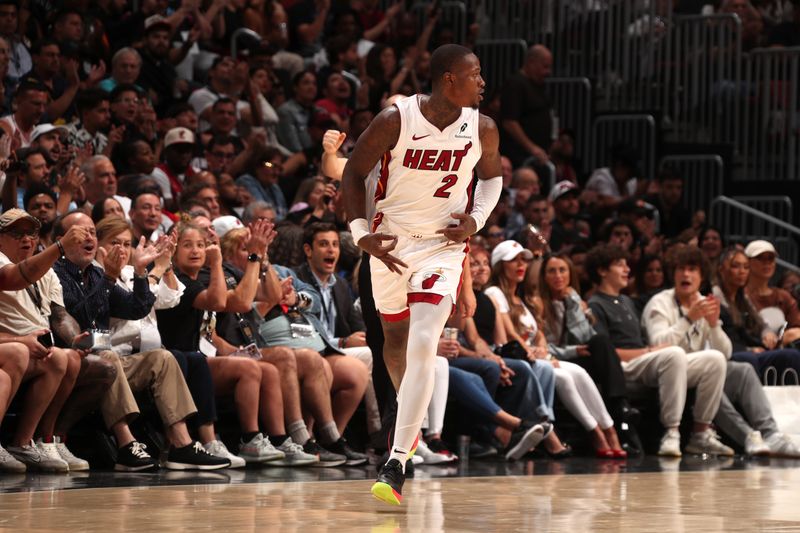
753 342
776 306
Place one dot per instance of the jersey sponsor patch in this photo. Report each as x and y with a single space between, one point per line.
464 131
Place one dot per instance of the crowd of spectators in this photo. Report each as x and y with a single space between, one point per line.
172 223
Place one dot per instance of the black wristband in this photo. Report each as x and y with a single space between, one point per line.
61 248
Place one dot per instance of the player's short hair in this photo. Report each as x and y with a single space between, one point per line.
445 58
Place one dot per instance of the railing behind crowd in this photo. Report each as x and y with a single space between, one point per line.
500 58
699 78
572 101
771 129
638 131
780 207
743 223
703 178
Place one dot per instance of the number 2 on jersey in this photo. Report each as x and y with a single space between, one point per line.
447 184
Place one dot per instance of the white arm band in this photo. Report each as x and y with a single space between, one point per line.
359 227
487 193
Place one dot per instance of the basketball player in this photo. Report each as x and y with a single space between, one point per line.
428 147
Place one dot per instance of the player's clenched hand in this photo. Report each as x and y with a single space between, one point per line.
373 244
466 227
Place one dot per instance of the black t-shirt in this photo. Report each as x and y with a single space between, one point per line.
180 326
485 317
526 102
228 323
673 222
617 318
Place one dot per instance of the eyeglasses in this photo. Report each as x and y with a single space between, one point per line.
223 155
19 235
766 258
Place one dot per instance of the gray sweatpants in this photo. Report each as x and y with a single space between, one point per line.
673 371
743 389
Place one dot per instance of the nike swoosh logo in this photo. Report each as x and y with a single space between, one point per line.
415 138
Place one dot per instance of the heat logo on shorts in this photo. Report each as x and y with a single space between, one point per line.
430 279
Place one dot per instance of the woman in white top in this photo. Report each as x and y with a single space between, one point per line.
509 266
574 386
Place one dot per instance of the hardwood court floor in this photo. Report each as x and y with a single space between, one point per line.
758 498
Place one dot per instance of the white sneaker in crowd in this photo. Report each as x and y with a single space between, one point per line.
259 450
782 445
39 458
707 442
754 444
430 457
294 455
76 464
670 444
9 464
218 449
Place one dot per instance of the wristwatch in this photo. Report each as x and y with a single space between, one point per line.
254 258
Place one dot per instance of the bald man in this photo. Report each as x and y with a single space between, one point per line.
526 113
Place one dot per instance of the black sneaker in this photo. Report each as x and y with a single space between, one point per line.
385 457
525 438
326 458
133 458
389 487
194 457
354 458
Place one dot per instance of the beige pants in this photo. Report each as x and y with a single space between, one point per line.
673 371
156 369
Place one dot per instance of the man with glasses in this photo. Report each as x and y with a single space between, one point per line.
219 153
66 383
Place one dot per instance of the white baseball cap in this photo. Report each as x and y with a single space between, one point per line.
508 250
41 129
561 188
756 248
223 225
178 136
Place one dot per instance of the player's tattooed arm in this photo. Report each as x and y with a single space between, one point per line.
489 166
380 136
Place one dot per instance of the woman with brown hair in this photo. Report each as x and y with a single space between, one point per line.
581 356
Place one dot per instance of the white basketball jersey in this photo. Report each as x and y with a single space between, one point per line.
428 174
